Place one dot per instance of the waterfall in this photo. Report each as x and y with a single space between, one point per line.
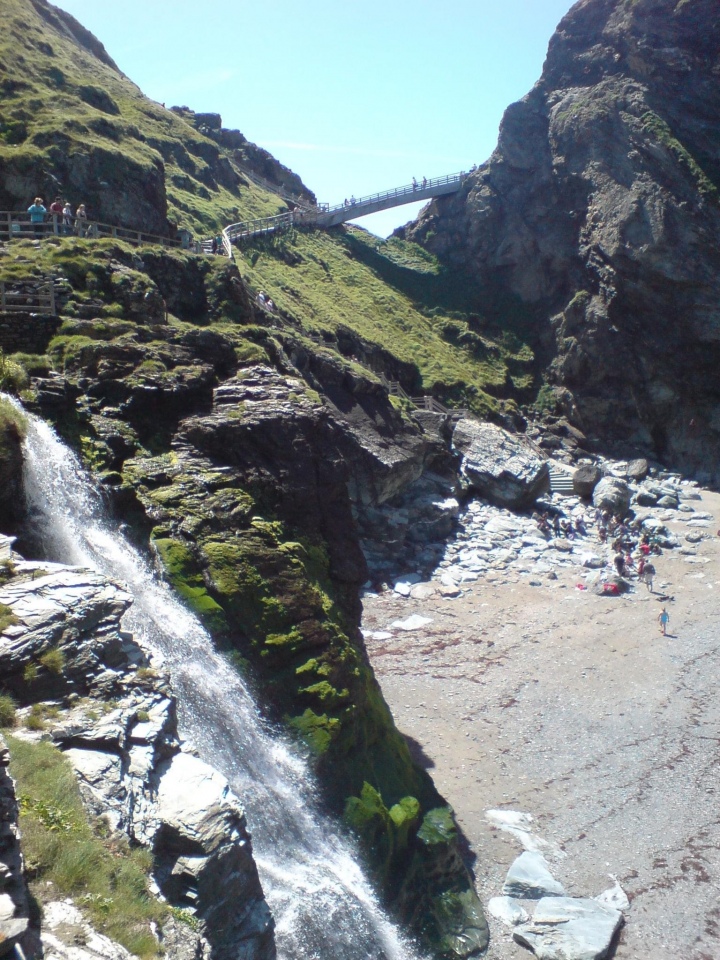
323 905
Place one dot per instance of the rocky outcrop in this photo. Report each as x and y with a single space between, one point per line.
14 903
254 514
11 433
595 225
61 641
499 466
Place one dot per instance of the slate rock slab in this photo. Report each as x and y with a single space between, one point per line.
529 878
501 467
569 928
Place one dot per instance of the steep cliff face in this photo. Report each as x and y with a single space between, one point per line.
593 228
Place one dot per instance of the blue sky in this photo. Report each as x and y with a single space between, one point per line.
355 97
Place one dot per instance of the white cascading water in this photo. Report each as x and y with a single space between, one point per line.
324 907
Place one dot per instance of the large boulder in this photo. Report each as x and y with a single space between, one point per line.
585 479
637 470
569 928
614 495
501 467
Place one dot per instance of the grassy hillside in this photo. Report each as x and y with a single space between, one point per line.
72 123
394 294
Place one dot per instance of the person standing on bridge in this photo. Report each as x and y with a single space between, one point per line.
415 184
37 215
81 220
424 182
67 218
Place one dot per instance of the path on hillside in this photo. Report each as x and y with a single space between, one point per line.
571 707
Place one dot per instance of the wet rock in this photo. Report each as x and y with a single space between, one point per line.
568 928
612 494
585 479
529 878
501 467
637 470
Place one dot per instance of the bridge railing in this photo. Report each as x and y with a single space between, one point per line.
307 216
17 225
408 188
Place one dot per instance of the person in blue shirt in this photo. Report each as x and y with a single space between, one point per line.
37 215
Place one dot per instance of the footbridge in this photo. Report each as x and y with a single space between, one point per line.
323 215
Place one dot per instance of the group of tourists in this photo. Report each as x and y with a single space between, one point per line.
62 221
263 300
631 544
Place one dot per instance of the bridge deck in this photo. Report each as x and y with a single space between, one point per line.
324 215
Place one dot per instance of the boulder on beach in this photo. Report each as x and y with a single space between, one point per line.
637 470
614 495
500 466
570 928
585 479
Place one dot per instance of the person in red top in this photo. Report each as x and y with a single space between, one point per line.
56 209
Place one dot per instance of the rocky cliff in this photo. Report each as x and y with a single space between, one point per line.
593 228
85 685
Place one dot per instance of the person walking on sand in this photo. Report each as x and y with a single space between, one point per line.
647 575
663 620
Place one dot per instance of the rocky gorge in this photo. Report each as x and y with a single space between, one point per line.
231 490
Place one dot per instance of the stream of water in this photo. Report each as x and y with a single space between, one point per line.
324 907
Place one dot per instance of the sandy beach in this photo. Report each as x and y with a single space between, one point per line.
573 708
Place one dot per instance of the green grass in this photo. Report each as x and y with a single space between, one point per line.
61 846
53 660
7 617
7 711
659 129
394 294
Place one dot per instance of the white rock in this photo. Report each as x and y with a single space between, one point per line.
508 911
614 897
529 878
414 622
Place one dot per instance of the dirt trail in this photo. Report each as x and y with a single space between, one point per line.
573 708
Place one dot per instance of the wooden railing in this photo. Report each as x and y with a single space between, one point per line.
18 226
27 298
426 402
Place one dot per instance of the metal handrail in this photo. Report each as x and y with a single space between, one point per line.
15 225
403 191
306 216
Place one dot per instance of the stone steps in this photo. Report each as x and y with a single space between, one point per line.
561 482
